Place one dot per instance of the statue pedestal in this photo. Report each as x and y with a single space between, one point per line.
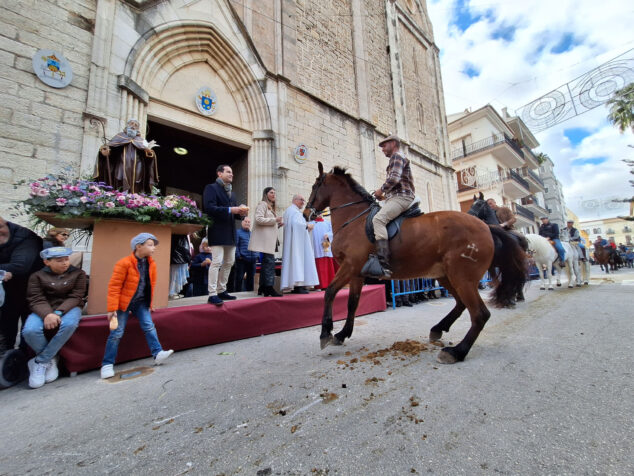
111 242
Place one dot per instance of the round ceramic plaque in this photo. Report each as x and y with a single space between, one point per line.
206 101
301 153
52 68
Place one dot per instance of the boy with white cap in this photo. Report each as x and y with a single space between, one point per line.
130 291
56 296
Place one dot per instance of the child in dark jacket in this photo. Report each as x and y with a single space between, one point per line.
199 269
130 291
56 296
245 259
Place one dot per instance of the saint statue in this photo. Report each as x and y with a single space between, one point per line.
127 162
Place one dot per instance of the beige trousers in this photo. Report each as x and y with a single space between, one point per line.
222 258
392 207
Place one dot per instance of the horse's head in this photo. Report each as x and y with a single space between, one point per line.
480 208
319 196
338 186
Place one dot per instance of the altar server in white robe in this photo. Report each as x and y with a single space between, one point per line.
298 258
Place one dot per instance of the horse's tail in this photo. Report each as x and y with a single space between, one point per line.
509 269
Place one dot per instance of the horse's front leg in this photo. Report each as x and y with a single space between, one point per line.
340 280
353 302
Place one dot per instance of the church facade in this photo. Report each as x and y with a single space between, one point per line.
269 87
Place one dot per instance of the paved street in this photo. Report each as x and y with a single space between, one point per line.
547 389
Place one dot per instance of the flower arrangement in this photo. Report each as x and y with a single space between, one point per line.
85 198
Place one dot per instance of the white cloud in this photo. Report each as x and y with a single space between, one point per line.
516 72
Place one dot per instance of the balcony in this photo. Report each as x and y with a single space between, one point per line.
501 146
514 186
536 184
531 204
531 158
524 212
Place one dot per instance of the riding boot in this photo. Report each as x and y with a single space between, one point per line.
383 254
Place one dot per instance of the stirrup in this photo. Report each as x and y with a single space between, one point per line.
373 269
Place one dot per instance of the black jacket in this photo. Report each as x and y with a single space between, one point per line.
549 230
216 203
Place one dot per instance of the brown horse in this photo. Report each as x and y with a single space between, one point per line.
603 255
452 247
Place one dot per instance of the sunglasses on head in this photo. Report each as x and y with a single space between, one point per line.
64 234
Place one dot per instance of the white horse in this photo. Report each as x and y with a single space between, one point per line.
545 257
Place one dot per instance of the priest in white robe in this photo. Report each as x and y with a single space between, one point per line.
298 259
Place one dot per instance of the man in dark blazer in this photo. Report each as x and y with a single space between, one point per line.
220 204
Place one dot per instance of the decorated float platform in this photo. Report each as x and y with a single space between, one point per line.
191 322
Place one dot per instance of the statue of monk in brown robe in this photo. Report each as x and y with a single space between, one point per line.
127 162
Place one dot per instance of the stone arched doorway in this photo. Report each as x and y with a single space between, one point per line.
166 68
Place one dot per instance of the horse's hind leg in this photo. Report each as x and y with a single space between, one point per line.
479 316
340 280
445 324
353 302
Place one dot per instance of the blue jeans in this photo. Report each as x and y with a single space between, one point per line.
560 249
33 333
142 313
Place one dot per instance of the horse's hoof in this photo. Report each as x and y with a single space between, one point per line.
434 336
558 285
551 288
586 283
543 288
570 286
336 340
578 285
444 357
325 341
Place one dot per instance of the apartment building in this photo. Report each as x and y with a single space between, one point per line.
492 154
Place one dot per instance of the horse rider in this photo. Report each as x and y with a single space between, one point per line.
601 242
575 238
504 215
398 193
506 219
551 231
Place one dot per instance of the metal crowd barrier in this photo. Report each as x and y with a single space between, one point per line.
422 285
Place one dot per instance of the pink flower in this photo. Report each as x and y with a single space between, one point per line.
61 202
42 192
83 199
109 205
169 204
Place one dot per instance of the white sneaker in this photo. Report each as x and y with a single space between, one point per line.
161 356
107 371
51 371
37 373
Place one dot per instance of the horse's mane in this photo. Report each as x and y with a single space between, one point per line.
354 185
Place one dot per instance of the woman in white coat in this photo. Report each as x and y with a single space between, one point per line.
264 239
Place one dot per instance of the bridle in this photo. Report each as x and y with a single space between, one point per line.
315 213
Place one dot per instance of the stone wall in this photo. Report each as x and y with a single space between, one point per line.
325 59
42 126
331 137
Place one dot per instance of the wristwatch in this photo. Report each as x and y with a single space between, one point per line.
59 313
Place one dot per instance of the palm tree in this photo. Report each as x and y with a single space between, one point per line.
622 108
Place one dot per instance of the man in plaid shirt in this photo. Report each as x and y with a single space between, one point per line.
398 193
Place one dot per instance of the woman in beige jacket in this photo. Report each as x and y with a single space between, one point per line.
264 239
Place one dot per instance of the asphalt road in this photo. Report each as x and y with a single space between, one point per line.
547 389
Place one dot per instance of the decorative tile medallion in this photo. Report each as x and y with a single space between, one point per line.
301 153
206 101
52 68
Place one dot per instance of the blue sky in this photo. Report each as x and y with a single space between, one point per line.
508 53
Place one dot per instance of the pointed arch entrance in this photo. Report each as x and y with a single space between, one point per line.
170 62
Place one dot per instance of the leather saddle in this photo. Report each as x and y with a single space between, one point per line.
394 226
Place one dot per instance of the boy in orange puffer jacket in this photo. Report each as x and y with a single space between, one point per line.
131 290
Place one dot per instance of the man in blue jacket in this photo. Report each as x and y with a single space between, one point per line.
220 204
245 259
